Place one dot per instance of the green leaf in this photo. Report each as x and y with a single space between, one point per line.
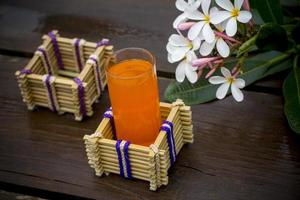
272 36
290 2
255 68
291 92
247 46
296 33
269 10
257 19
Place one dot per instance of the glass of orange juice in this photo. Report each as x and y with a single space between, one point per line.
133 92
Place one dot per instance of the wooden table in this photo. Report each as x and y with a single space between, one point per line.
241 150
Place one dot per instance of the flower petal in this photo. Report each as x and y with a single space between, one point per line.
170 58
240 83
193 5
170 48
237 93
180 19
231 27
206 48
179 53
181 5
178 40
222 90
223 48
201 36
246 5
219 16
226 4
205 6
213 10
215 80
180 71
195 15
208 33
190 56
238 4
195 30
244 16
191 74
226 73
219 27
196 43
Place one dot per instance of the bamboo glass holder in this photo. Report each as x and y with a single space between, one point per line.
58 57
147 163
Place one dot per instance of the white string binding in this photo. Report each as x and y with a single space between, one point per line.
122 145
54 97
97 71
81 55
178 102
95 135
44 61
172 141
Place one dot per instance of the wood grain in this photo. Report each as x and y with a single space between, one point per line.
126 23
240 151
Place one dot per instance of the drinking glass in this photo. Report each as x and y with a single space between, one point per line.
133 92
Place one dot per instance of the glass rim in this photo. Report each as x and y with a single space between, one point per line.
132 77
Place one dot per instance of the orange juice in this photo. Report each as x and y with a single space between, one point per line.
134 97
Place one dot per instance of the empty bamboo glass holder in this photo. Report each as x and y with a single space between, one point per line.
146 163
65 75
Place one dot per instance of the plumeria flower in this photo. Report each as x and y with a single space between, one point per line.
227 81
189 10
231 14
203 26
222 47
178 46
246 5
186 69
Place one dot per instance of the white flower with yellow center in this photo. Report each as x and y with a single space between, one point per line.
222 47
203 26
186 69
227 81
178 46
231 14
189 10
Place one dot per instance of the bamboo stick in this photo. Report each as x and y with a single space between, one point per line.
33 89
144 160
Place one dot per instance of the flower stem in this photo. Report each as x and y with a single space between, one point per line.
246 46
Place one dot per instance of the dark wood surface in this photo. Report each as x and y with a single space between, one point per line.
241 150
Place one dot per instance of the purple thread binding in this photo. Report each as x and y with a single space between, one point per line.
126 158
120 157
169 123
112 123
103 42
171 142
81 96
98 72
49 90
77 53
56 50
26 71
126 155
107 115
42 50
172 136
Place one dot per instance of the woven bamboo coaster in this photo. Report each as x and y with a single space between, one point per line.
65 75
106 155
